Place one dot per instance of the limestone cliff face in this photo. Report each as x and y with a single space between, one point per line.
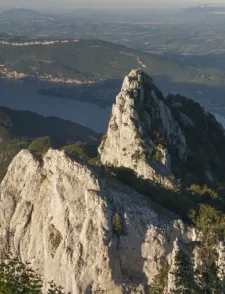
140 131
58 214
83 228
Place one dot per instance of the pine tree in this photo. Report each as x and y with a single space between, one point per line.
184 273
160 281
18 278
208 273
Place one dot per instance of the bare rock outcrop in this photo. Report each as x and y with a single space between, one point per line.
140 130
58 214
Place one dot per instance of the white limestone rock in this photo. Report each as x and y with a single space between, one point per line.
57 214
138 113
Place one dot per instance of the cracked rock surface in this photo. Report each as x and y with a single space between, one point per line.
57 214
140 119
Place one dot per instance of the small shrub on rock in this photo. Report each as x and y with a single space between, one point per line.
117 224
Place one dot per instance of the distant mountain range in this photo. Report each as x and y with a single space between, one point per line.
20 13
206 9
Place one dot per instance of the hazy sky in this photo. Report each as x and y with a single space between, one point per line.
71 4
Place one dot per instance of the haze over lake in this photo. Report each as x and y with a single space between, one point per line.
22 95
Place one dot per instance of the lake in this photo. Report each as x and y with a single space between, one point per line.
22 95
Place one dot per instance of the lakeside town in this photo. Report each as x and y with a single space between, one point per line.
44 43
14 75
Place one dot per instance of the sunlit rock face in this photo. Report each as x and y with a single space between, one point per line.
57 214
140 130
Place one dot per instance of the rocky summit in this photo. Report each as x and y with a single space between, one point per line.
155 135
140 126
83 228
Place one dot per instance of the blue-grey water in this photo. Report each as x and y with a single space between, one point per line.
22 95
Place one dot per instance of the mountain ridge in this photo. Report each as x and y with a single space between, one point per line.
152 134
36 61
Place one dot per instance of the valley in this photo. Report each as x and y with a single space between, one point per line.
112 159
82 84
149 190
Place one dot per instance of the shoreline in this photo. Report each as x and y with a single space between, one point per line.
47 79
42 43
